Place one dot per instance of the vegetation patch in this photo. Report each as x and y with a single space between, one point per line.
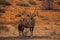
32 2
22 4
58 3
3 2
2 11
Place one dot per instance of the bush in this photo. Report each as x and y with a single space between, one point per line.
2 2
58 3
32 2
2 11
22 4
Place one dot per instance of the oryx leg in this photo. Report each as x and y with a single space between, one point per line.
31 30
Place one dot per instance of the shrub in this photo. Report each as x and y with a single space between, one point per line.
22 4
3 2
58 3
2 11
32 2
